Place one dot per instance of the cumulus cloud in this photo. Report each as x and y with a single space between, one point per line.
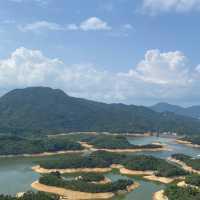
158 76
163 68
36 26
155 6
94 23
90 24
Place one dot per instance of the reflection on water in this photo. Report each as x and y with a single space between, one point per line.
16 174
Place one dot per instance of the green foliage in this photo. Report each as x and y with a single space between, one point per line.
193 179
151 163
114 142
44 110
16 145
31 196
84 186
192 162
173 192
103 159
92 177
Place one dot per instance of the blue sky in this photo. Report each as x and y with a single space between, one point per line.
136 52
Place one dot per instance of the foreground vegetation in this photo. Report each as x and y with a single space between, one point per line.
193 179
15 145
188 160
102 141
55 179
92 177
101 159
31 196
173 192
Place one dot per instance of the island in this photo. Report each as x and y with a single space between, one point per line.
12 145
82 189
117 143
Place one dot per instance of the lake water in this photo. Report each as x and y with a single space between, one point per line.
16 174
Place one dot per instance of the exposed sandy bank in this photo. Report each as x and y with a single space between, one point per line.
41 170
184 184
76 195
159 195
188 143
20 194
135 172
184 166
164 180
149 175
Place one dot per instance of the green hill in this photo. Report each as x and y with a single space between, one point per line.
46 110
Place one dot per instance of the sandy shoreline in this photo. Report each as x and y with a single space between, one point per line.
159 195
188 143
41 170
76 195
149 175
184 166
184 184
103 133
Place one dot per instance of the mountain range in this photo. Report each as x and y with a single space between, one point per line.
192 111
45 110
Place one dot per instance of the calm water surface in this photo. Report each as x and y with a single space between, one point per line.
16 174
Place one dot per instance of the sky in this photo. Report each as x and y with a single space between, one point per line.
130 51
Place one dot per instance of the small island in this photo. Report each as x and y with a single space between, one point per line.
192 141
82 188
117 143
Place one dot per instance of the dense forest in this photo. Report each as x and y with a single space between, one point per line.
193 179
173 192
91 177
31 196
103 159
55 179
188 160
15 145
40 110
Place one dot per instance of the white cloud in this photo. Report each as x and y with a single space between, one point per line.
159 76
94 23
39 25
163 68
91 24
128 26
156 6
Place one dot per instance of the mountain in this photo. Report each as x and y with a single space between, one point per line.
193 111
46 110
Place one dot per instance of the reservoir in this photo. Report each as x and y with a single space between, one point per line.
16 174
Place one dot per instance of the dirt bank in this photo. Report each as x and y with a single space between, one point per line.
188 143
76 195
184 166
41 170
159 195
